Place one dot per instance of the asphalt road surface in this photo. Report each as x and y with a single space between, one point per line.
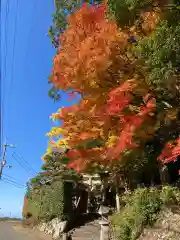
14 231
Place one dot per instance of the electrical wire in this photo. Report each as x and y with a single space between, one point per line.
12 178
11 78
29 167
5 38
1 112
4 63
13 182
19 161
29 35
26 49
21 164
13 56
30 29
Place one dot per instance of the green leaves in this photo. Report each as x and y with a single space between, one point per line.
161 52
89 144
52 201
127 11
159 55
54 94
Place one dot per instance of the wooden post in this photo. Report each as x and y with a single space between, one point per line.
89 193
104 232
117 194
117 201
64 236
164 175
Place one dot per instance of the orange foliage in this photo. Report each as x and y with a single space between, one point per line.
89 47
93 60
82 159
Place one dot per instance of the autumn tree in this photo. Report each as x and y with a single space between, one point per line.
128 80
59 18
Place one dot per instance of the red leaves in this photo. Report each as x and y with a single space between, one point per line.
120 97
74 154
93 14
77 162
124 143
78 159
129 125
78 165
170 152
81 159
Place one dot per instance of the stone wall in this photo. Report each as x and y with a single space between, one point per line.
54 228
167 226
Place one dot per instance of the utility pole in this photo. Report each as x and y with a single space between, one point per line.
3 160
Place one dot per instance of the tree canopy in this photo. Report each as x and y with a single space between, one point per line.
123 58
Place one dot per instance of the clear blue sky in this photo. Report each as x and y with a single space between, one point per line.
27 106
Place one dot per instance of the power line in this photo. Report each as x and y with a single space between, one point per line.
5 61
13 55
1 112
29 34
5 36
27 164
13 183
30 168
22 164
12 179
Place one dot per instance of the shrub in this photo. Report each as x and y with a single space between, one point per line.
141 209
170 195
47 202
52 202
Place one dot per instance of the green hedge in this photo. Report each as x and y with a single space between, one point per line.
47 202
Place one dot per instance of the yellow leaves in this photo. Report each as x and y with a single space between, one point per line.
48 151
55 116
59 144
62 143
43 157
56 132
111 141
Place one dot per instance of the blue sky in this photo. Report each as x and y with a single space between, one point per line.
27 106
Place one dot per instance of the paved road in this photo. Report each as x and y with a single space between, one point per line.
12 231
